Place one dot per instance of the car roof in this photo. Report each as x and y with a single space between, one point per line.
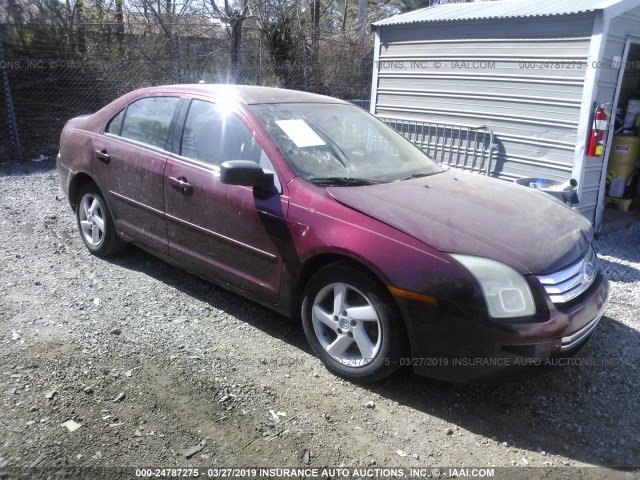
249 95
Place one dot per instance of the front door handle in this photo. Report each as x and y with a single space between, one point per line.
103 156
181 184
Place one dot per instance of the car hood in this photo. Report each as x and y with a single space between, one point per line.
460 212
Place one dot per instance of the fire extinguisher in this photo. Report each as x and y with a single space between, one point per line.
598 130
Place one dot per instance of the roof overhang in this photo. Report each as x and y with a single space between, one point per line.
508 9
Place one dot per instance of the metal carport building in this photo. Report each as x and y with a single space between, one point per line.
533 70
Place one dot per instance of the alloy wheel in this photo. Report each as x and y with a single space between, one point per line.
346 324
91 216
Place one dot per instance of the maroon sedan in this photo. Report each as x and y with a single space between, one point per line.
316 209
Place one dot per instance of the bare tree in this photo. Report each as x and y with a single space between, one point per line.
120 25
80 33
276 24
233 16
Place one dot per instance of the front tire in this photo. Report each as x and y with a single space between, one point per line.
352 324
95 223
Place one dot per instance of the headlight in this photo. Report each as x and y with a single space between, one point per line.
506 291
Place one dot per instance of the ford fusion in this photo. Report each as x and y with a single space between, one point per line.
318 210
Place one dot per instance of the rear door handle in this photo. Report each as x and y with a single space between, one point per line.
103 156
181 184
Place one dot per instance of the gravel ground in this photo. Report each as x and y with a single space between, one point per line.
151 361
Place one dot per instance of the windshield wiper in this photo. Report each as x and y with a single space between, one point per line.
352 181
419 175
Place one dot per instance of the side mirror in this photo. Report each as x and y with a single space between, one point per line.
244 172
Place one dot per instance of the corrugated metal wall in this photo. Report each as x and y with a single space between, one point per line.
523 77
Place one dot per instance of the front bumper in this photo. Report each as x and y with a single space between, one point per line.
574 340
458 344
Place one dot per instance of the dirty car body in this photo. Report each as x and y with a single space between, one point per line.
314 208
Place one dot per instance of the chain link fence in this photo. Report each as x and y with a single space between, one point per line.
52 78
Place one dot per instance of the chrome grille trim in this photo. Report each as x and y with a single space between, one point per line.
566 284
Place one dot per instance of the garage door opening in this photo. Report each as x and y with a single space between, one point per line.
621 177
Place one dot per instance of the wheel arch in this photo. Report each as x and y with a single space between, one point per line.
82 183
321 260
398 343
79 180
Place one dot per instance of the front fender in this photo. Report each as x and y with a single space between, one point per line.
320 226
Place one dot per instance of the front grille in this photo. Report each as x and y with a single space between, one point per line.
567 284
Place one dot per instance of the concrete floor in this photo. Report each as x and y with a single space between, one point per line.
614 220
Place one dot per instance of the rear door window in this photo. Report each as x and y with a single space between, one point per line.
115 124
148 120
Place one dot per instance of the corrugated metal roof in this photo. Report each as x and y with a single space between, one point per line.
502 9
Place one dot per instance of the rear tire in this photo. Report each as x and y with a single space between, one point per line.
95 223
352 324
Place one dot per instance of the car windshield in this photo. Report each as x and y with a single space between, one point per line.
337 144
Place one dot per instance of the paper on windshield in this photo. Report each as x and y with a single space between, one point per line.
300 133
